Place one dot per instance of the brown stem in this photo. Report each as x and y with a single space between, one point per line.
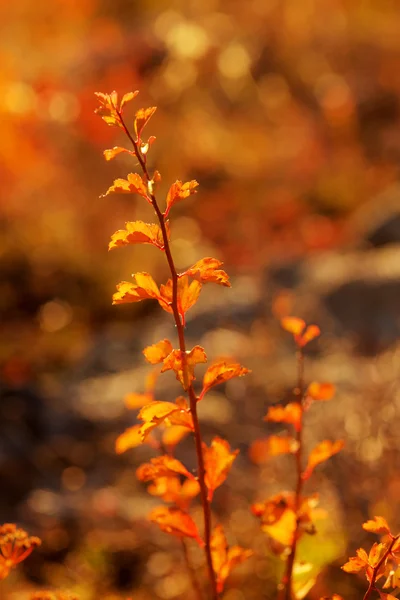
191 571
286 583
375 570
187 385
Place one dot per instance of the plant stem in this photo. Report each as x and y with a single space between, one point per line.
286 583
375 570
188 386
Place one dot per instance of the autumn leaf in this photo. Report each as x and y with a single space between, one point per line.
293 325
321 391
218 460
284 529
142 116
113 152
188 294
173 435
134 400
108 109
356 563
170 489
162 466
291 413
131 438
134 184
219 372
157 412
176 522
377 525
261 450
310 333
158 352
320 454
376 553
386 596
208 270
128 97
144 288
224 559
296 327
178 191
137 232
184 368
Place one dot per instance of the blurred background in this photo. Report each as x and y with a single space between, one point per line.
287 113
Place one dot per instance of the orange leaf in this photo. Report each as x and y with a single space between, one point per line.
310 333
137 232
291 413
187 295
108 109
320 454
377 525
272 509
219 372
134 184
128 97
218 460
173 435
178 191
296 326
144 288
157 352
261 450
155 413
284 529
170 489
376 553
225 559
142 116
293 325
113 152
356 563
321 391
133 400
131 438
175 522
386 596
175 362
208 270
162 466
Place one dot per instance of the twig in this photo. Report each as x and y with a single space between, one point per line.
286 583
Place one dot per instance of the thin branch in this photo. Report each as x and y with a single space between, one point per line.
286 583
188 386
